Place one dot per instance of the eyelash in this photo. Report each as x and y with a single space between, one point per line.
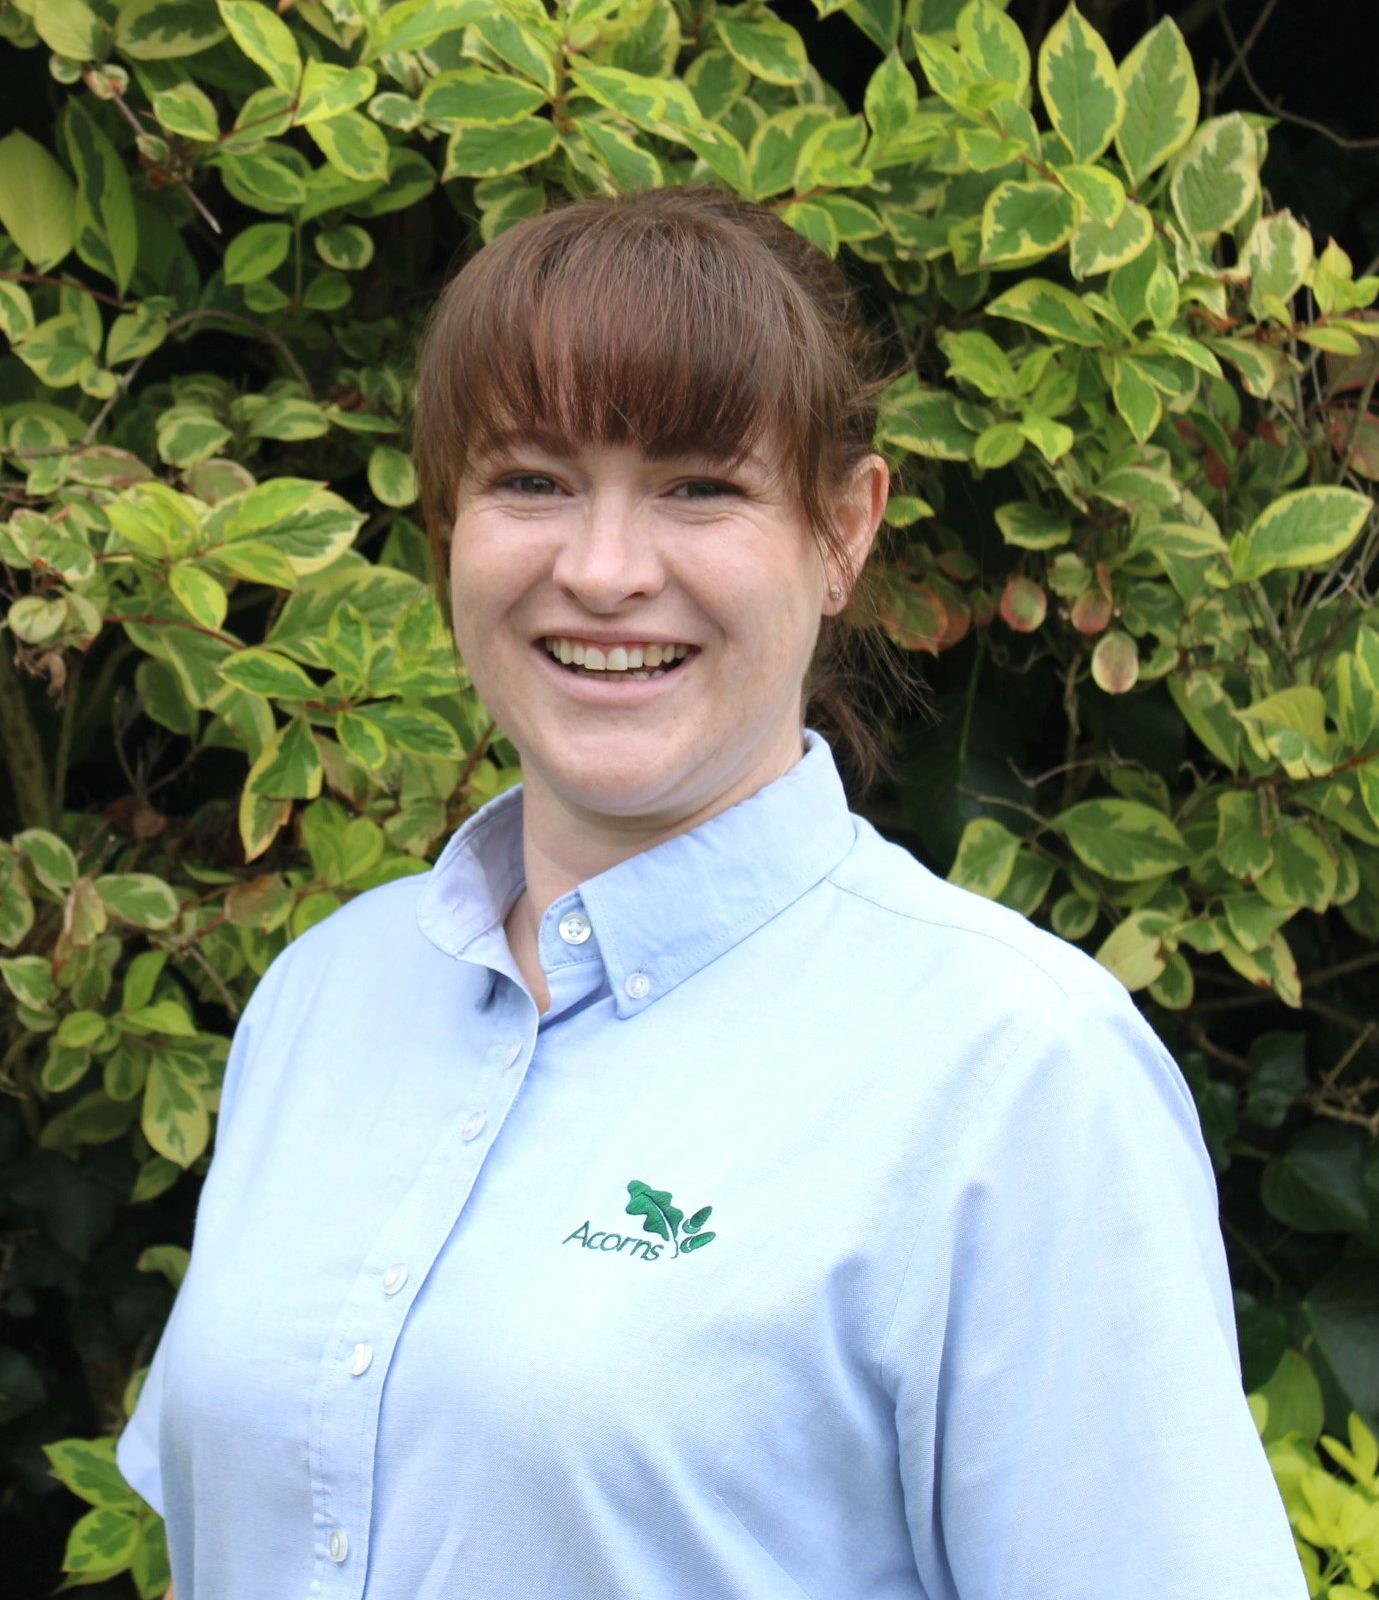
516 480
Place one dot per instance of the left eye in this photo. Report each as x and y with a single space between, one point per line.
703 489
529 483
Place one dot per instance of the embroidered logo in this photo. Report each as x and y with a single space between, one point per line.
659 1216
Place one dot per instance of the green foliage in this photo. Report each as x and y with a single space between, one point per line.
1132 441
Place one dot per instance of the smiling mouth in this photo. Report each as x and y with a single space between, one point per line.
616 661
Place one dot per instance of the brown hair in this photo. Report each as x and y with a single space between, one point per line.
678 320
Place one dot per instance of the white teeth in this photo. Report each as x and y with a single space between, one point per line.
629 661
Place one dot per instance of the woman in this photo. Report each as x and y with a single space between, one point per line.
679 1192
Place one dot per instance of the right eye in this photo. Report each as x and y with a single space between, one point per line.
528 483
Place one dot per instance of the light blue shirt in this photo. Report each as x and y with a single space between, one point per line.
835 1233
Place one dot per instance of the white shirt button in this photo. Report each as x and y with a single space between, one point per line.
394 1278
473 1127
510 1055
574 929
337 1546
638 986
361 1359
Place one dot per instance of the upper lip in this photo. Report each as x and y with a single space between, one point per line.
606 636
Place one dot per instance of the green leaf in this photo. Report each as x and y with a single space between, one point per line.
328 90
1305 528
287 417
392 477
198 593
1079 86
272 184
1031 526
71 28
1102 247
1115 662
138 898
265 38
347 247
1294 1400
655 1206
1134 950
187 111
256 252
101 1542
38 201
977 359
162 1017
1123 839
1304 872
106 232
289 767
1278 258
1136 398
175 1120
414 729
475 97
1051 309
87 1467
265 672
717 82
169 1259
57 351
1162 100
528 49
30 980
1290 727
493 152
142 978
631 166
414 24
1216 177
78 1030
985 859
1278 1075
1318 1185
353 145
187 435
158 30
993 46
49 858
1072 916
891 100
1023 221
769 48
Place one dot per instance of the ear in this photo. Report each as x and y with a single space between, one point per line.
857 511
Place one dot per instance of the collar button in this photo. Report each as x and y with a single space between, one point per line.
574 928
638 986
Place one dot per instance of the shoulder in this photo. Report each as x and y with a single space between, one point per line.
916 916
373 933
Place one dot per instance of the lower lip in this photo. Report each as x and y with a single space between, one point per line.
600 689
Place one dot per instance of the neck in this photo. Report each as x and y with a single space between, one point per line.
563 846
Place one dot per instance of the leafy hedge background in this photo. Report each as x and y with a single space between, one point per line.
1134 530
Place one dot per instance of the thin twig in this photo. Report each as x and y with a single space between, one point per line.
69 283
1272 106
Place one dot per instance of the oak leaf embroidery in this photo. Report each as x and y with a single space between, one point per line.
661 1216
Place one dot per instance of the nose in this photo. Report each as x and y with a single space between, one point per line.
609 556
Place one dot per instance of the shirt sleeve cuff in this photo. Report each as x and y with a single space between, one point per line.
138 1462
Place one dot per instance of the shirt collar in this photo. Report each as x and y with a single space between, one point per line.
664 914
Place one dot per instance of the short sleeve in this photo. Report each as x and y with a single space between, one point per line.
1062 1356
137 1451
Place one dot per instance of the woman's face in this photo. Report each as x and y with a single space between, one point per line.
641 629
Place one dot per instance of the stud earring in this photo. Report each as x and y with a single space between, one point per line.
835 592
